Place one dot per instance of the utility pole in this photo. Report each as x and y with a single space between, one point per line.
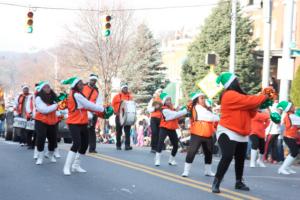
232 36
267 10
287 66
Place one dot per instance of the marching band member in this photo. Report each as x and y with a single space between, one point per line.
155 114
45 121
90 91
292 125
202 129
237 109
258 127
124 95
78 106
168 126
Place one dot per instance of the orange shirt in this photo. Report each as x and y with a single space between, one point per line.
116 102
90 93
75 115
171 124
259 124
238 109
290 130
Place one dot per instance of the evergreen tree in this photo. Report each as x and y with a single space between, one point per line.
215 37
295 91
145 73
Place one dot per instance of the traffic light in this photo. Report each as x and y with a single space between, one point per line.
29 22
107 26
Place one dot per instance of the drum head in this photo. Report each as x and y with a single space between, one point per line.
127 113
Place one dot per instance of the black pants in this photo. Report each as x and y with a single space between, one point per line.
80 137
163 133
154 124
23 135
257 143
31 137
230 149
292 145
119 130
92 133
271 146
195 143
44 131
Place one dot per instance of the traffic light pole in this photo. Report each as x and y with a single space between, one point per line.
233 36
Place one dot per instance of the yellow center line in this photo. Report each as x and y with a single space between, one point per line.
177 176
227 196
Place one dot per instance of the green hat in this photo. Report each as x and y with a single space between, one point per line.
163 96
41 84
297 112
225 78
208 103
195 95
71 81
275 117
285 106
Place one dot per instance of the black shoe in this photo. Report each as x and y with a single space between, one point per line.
128 148
152 151
119 148
239 185
30 147
93 151
216 186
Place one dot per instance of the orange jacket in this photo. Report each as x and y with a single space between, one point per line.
50 118
201 128
156 114
171 124
75 115
116 102
238 109
90 93
21 103
290 130
259 124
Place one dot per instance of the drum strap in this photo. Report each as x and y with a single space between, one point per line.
92 91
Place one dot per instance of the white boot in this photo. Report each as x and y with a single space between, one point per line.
187 168
287 162
69 160
290 170
259 161
76 165
40 158
207 170
35 153
46 154
56 153
253 157
51 156
157 159
172 161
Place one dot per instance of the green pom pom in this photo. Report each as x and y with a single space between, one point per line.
61 97
297 112
108 112
266 104
275 117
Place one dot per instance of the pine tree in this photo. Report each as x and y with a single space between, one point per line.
145 73
215 37
295 91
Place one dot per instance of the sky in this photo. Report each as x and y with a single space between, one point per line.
49 25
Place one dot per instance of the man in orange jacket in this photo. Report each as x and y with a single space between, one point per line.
124 95
90 91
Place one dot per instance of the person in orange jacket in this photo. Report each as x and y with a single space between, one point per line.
202 129
45 121
237 110
168 126
292 126
155 114
78 107
124 95
258 127
90 91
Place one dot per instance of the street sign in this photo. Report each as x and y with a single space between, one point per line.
209 86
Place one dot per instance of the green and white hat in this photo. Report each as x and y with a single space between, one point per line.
93 77
195 95
124 85
163 96
71 81
285 106
41 84
226 78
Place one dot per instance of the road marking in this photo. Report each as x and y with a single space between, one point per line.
167 175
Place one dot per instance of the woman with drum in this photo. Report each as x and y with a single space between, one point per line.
168 126
203 123
45 121
78 107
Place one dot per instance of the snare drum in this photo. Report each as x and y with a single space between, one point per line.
127 113
30 125
19 122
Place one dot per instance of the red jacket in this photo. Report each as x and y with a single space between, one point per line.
259 124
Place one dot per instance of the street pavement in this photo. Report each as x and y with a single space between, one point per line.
130 175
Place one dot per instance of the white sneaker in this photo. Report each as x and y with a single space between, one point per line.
157 159
52 157
187 168
208 171
259 161
172 161
76 165
40 158
46 155
56 153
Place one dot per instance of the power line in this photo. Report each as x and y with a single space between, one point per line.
112 10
